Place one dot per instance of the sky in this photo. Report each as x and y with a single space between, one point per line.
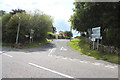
60 10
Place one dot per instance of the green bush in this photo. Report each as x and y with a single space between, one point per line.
40 23
51 35
61 37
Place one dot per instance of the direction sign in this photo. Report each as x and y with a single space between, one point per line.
96 33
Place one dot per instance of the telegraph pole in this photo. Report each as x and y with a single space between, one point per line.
18 30
70 31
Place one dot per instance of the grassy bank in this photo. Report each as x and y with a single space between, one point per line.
29 45
84 48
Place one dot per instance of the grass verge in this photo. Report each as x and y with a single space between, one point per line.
83 47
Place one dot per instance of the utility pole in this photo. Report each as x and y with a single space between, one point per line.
31 35
70 31
18 30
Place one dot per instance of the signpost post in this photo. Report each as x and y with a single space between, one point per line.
93 39
31 35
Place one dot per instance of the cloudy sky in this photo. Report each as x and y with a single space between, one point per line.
60 10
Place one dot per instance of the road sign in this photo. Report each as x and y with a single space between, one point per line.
96 30
96 36
96 33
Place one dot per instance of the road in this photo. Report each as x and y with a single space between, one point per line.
54 60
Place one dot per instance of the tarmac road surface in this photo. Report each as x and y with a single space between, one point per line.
54 60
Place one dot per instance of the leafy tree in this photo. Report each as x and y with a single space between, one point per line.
60 36
10 27
51 35
14 11
68 34
40 23
5 29
88 15
2 12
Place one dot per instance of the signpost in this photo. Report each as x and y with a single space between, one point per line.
31 35
96 36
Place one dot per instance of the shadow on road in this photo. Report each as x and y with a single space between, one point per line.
44 47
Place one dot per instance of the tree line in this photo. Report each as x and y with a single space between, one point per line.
60 35
33 25
98 14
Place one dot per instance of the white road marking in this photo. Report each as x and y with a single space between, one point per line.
109 66
83 61
51 51
97 64
50 70
64 49
7 55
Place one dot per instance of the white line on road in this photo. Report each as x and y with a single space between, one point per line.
97 64
51 51
64 49
109 66
7 55
83 61
51 70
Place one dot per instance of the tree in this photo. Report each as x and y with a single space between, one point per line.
40 23
51 35
10 27
14 11
104 15
68 34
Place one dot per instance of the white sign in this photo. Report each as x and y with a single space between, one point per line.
97 36
96 30
96 33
